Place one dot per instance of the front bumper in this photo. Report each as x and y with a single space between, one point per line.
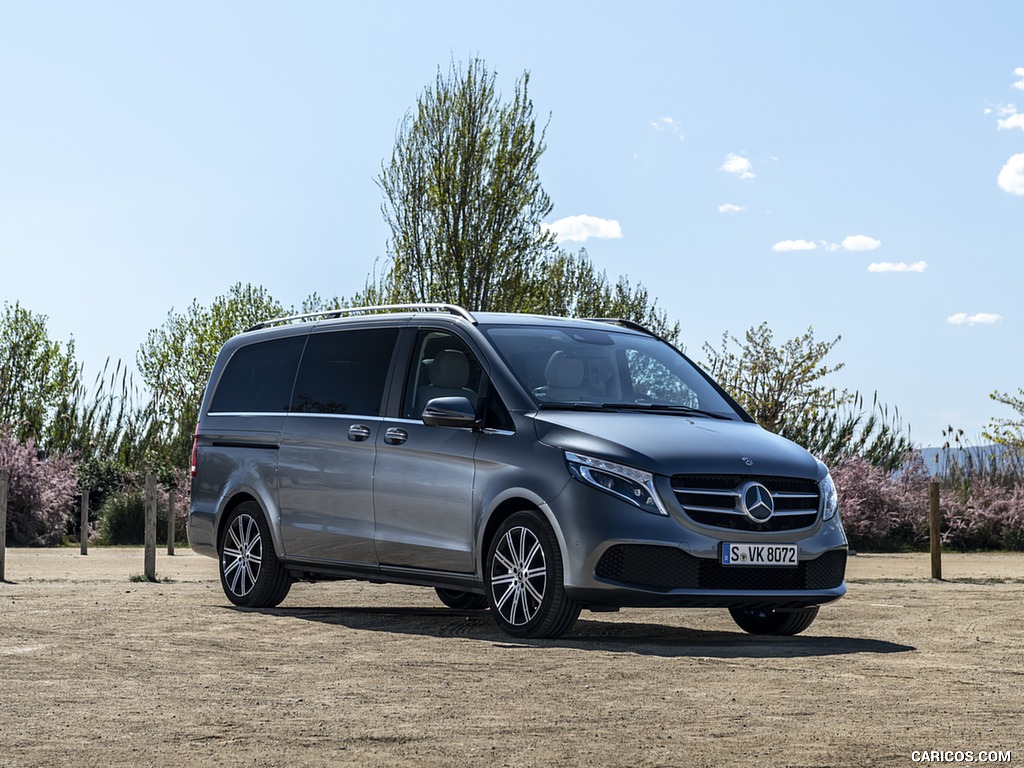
619 556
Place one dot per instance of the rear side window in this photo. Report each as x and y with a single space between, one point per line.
345 371
259 377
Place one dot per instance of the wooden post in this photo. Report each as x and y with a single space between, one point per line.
150 527
935 528
83 536
4 479
170 520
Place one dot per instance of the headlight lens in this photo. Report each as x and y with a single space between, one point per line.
621 481
829 498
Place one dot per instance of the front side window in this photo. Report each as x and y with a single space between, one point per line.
443 366
258 378
576 367
344 372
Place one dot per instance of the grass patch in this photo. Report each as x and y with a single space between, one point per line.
141 578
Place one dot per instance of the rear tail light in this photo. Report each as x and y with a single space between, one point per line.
195 445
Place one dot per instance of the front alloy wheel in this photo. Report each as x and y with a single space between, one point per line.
250 572
525 579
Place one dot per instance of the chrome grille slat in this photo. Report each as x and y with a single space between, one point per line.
706 492
740 513
714 501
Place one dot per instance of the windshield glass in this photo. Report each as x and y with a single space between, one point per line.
575 367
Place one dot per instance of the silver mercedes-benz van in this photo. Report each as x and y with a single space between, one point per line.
533 465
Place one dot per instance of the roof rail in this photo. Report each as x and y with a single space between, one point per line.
625 324
330 314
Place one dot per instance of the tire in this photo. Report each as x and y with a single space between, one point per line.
250 572
768 621
524 577
463 601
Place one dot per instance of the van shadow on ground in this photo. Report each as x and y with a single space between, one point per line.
587 634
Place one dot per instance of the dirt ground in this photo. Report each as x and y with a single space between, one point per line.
97 669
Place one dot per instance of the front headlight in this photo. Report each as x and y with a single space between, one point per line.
829 498
621 481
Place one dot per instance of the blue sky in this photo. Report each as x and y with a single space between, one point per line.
858 168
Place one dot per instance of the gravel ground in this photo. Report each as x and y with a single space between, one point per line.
98 669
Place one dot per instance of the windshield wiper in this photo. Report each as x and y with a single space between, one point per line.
682 410
574 407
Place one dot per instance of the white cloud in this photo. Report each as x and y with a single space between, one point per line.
850 243
730 208
860 243
982 318
1011 177
901 266
663 124
578 229
737 164
1019 72
1013 121
793 245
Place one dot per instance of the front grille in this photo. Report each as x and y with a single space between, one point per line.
655 567
714 501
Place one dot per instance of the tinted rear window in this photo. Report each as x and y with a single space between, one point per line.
345 371
259 377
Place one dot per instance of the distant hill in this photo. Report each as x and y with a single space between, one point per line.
937 460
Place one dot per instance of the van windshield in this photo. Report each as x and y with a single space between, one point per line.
598 369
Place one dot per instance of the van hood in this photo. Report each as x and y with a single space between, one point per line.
671 444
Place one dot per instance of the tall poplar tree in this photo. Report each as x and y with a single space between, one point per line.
462 195
465 206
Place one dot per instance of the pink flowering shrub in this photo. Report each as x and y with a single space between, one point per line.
883 511
40 495
983 515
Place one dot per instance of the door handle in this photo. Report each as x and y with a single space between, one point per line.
395 436
358 432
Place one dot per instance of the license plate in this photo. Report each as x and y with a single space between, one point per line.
760 554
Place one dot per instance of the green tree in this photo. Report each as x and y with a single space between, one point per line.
462 195
1004 431
569 285
38 379
464 203
783 389
176 359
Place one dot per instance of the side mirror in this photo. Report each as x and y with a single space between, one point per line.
449 412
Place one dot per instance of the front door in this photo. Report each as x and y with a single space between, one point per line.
423 483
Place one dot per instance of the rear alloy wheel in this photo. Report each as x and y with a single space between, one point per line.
250 572
463 601
769 621
524 576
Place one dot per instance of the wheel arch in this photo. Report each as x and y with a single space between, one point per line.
232 503
503 510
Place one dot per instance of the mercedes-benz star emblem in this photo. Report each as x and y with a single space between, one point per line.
757 502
